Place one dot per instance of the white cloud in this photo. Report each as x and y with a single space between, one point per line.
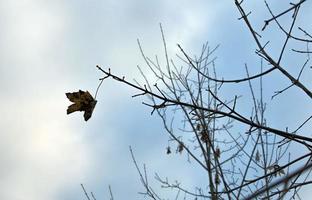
41 151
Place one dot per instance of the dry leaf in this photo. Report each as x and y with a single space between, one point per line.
82 101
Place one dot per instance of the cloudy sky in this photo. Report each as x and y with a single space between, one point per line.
51 47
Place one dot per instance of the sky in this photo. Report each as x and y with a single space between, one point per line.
48 48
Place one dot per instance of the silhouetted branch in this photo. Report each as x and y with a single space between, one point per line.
85 192
297 138
281 181
294 7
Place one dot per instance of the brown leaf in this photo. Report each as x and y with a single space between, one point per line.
82 101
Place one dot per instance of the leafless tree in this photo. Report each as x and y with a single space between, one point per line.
243 157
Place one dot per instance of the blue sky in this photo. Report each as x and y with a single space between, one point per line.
51 47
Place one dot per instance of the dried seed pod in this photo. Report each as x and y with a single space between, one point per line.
204 136
180 147
257 156
217 179
198 127
168 150
217 152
